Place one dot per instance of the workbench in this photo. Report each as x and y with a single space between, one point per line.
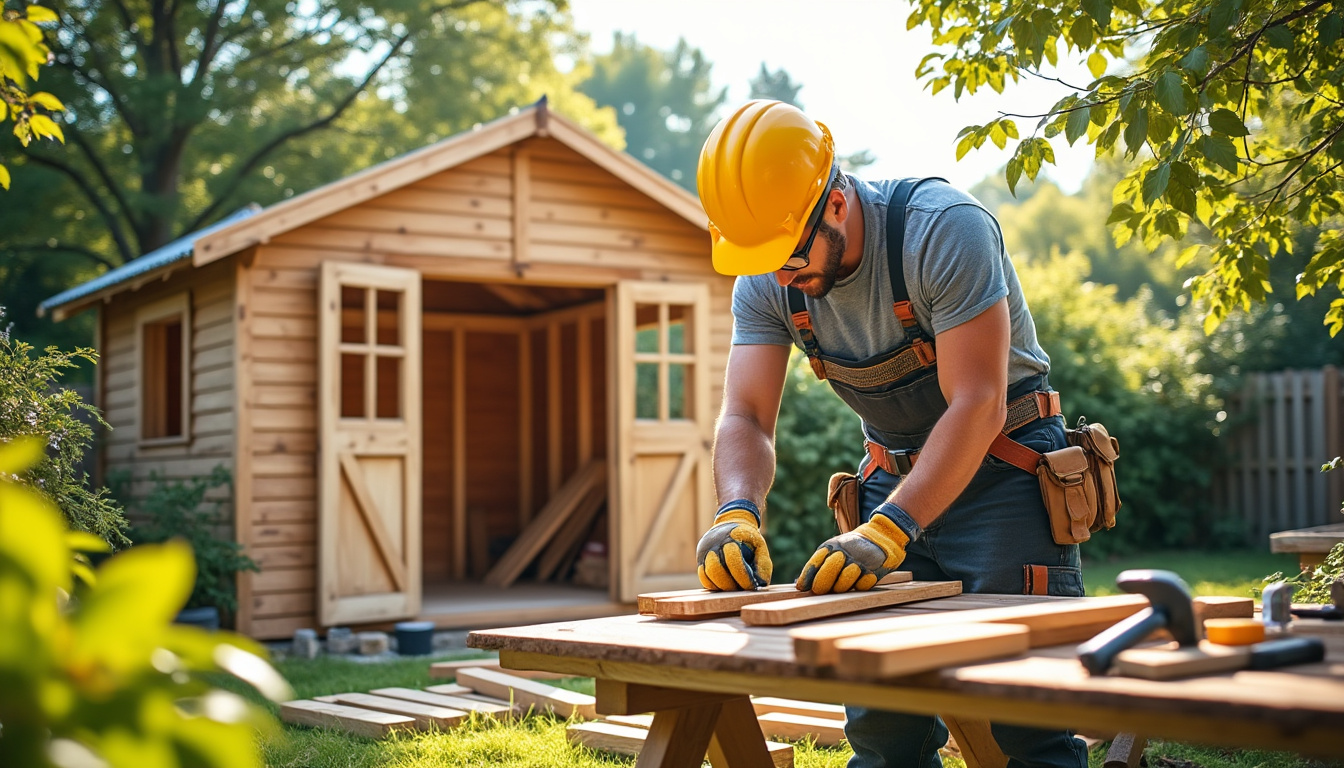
1311 545
696 677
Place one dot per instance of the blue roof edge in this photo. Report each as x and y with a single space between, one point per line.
177 250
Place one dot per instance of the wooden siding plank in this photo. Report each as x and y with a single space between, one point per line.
283 579
417 223
351 241
420 198
265 512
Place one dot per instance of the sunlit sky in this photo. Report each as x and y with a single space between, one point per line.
856 62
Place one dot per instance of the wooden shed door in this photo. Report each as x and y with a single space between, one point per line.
369 519
664 426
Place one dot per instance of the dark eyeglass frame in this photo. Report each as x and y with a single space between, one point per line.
800 258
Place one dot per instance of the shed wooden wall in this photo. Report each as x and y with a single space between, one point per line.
578 225
212 379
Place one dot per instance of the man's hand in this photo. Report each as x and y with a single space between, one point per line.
732 553
858 559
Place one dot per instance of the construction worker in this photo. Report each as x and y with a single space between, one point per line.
931 343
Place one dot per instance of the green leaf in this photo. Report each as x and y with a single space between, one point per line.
4 177
1330 29
1120 212
1183 258
138 593
1226 121
1155 183
966 144
47 101
1222 16
1012 174
1181 197
1279 36
997 135
81 541
1171 92
1010 128
1077 124
1197 61
1220 151
1136 131
45 126
1096 64
1082 33
1100 11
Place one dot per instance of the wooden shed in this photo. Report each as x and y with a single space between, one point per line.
435 381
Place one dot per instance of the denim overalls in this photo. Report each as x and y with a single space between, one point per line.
995 538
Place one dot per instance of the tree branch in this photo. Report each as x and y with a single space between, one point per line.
113 224
104 175
1249 45
213 27
59 247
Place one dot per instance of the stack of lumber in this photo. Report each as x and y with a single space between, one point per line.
478 692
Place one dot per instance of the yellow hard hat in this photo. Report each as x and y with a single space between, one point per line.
762 170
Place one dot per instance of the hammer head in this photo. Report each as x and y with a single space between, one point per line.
1169 596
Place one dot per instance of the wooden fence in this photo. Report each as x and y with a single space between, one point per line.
1282 427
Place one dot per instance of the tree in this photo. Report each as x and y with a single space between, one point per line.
22 54
181 112
1234 117
664 101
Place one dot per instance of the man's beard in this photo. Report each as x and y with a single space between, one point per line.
821 284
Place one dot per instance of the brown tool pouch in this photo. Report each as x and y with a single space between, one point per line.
1078 484
842 496
1070 494
1102 451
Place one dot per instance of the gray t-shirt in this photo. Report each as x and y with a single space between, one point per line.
955 266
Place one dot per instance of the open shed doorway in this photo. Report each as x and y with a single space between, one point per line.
515 524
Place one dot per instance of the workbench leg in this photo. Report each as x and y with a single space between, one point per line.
1126 751
680 737
976 743
738 741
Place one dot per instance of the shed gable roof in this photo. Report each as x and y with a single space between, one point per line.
535 120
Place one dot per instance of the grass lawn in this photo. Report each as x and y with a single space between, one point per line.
540 741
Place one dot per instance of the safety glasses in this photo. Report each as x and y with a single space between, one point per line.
800 258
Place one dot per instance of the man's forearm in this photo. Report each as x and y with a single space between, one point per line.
950 458
744 460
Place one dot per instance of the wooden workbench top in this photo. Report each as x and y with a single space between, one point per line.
1300 708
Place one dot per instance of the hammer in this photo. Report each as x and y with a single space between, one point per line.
1171 608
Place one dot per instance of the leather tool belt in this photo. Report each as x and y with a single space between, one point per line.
1021 412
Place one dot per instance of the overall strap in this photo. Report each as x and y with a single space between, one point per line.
803 322
900 293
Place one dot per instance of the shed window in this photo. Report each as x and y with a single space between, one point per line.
164 336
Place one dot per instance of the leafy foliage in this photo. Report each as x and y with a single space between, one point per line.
1234 117
179 509
1139 372
22 55
31 403
1313 585
663 100
816 435
100 675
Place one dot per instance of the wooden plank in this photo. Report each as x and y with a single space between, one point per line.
699 603
546 698
1220 607
459 374
906 652
781 725
425 715
554 417
369 512
825 606
1172 663
571 533
1051 623
444 670
524 428
646 602
548 521
522 195
441 700
360 722
449 689
584 389
764 705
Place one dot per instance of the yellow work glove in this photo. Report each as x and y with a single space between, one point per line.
858 559
732 553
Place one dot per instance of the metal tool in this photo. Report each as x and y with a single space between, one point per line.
1171 609
1276 605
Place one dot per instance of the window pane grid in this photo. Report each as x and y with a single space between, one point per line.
664 361
371 353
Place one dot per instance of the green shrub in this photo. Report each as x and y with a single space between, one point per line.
817 435
97 674
178 509
31 403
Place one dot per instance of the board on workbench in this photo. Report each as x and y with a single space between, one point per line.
704 603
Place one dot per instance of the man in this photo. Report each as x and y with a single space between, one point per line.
937 375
